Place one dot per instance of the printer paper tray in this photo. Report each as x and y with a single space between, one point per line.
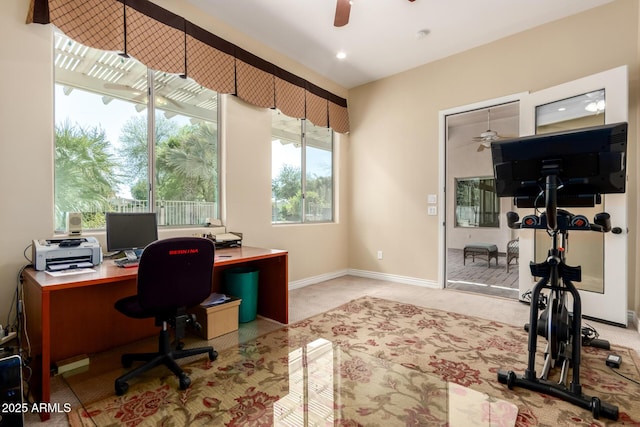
67 266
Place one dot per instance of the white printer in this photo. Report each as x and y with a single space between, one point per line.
65 253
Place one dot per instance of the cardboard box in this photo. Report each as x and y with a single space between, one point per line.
218 319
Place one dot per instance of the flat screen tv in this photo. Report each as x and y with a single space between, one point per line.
587 162
130 231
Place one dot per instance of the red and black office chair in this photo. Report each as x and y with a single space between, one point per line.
173 275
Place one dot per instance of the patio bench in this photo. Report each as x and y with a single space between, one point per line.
482 251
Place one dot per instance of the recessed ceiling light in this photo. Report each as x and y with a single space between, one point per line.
341 55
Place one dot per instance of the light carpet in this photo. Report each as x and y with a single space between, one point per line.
369 362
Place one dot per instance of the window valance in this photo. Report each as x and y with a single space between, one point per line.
167 42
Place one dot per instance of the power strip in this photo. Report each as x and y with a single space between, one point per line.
8 338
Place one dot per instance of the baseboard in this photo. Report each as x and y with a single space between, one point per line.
366 274
394 278
316 279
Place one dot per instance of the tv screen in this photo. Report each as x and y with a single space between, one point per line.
588 162
130 231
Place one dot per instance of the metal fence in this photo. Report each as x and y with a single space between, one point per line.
172 212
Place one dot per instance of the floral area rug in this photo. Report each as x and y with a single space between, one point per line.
370 362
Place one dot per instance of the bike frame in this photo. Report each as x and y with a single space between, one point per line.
557 277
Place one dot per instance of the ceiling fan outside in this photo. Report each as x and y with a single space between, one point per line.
488 136
343 10
139 95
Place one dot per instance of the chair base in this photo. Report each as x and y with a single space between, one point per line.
165 356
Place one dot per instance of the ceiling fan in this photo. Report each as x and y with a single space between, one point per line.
343 9
489 135
139 95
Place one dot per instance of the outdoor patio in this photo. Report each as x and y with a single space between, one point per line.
475 276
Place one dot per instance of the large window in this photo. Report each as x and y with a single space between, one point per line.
302 171
477 204
130 139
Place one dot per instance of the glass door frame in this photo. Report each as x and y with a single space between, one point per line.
611 305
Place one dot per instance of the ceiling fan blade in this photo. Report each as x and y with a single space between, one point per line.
117 86
139 96
171 101
343 8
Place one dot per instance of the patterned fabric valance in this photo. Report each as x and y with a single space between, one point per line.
167 42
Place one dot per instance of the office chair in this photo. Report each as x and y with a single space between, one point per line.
173 275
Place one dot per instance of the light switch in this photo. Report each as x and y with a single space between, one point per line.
432 199
432 210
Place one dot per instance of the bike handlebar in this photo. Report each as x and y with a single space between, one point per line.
564 221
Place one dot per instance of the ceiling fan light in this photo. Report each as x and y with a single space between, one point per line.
594 107
489 134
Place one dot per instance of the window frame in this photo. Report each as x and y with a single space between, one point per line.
459 221
153 108
303 174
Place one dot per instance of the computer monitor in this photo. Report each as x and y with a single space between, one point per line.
588 162
130 232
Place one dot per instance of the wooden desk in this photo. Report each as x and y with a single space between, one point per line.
72 315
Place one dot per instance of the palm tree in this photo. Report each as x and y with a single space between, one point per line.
287 193
85 171
187 164
134 154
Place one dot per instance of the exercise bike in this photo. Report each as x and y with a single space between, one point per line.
560 326
559 170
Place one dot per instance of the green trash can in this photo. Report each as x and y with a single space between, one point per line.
242 282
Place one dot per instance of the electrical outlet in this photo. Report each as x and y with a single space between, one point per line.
8 338
379 254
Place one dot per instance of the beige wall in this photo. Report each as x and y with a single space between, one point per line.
634 115
314 250
26 158
394 121
386 167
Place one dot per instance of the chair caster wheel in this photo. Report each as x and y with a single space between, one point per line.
126 361
185 382
213 355
180 346
121 388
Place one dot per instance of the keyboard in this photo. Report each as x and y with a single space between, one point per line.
126 262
